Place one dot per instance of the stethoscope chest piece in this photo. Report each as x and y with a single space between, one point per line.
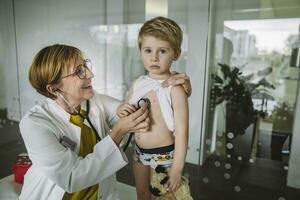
142 102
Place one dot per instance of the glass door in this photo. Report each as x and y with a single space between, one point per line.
253 84
262 50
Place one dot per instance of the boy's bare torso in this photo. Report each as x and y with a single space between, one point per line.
158 135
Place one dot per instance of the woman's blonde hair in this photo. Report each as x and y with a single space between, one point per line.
164 29
49 64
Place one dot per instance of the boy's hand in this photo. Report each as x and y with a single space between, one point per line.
125 109
174 179
138 120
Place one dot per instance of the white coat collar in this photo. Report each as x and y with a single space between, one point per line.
63 117
62 113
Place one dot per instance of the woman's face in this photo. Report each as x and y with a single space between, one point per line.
76 84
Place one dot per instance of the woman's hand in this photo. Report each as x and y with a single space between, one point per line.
137 121
174 179
125 109
179 79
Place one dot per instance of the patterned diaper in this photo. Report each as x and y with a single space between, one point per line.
155 156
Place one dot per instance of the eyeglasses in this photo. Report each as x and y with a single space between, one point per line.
81 70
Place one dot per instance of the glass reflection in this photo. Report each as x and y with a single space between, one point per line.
217 164
228 166
237 188
227 176
256 56
205 180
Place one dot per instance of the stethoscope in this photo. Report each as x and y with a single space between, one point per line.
89 121
140 103
82 116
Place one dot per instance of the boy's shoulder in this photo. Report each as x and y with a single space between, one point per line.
142 77
139 78
177 90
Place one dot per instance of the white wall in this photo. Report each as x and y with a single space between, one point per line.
9 87
2 86
41 22
293 179
196 69
100 28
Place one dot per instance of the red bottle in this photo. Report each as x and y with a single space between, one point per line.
20 167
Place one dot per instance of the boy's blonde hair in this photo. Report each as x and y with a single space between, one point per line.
164 29
49 64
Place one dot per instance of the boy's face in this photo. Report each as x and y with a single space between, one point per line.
157 56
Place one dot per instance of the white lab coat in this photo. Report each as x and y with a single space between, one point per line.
57 169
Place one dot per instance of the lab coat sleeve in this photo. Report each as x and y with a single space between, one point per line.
61 165
110 105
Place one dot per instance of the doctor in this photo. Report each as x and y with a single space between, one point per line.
73 137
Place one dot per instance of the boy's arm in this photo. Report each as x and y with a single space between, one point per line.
181 121
121 112
124 108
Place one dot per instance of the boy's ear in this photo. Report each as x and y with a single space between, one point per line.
177 54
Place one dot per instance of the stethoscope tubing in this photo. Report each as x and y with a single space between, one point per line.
89 121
